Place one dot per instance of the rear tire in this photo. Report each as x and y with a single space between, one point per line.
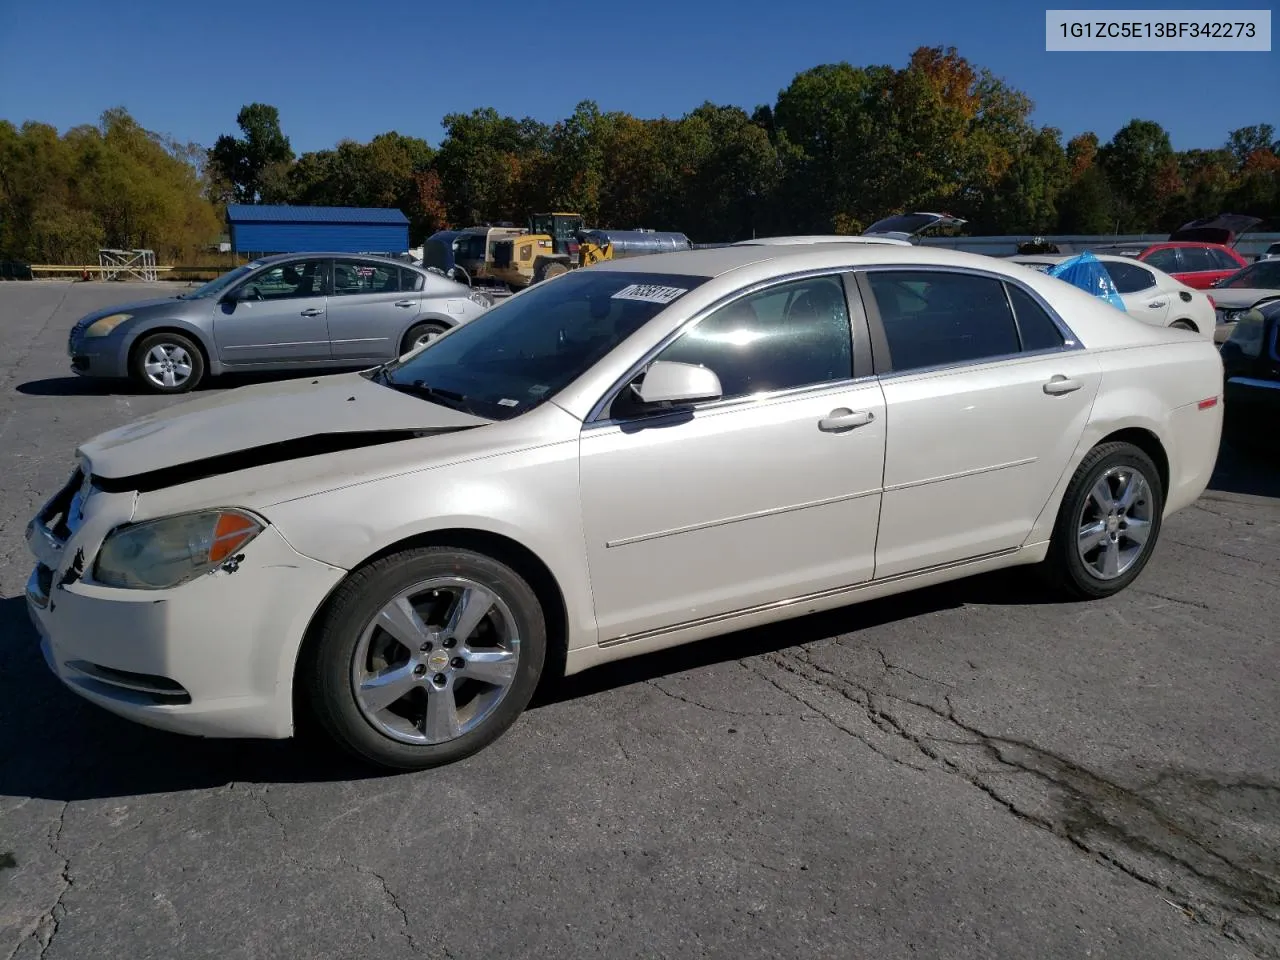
460 634
167 363
421 333
1107 525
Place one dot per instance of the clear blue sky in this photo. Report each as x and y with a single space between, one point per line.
343 69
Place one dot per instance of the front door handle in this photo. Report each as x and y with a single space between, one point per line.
311 312
1157 304
405 303
1060 385
845 419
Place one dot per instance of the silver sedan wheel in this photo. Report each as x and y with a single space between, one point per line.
436 661
167 365
1115 523
426 337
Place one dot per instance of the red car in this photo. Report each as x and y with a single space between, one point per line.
1197 254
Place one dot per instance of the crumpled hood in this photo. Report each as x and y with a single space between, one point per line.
1238 298
267 423
1225 228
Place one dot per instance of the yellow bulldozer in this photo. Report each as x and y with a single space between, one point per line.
557 243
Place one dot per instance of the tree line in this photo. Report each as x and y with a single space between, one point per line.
841 147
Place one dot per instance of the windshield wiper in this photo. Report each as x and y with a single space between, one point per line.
419 388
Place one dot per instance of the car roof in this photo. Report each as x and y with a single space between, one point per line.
816 238
716 261
315 254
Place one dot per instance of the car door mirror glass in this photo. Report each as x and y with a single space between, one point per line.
669 382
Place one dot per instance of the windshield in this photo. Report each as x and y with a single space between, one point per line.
214 287
518 354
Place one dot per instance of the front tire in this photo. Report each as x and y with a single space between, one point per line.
167 363
425 657
1108 523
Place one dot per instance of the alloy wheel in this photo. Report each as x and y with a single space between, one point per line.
1114 526
167 365
435 661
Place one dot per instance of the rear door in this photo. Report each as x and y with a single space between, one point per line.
278 316
368 311
1201 268
986 397
1142 296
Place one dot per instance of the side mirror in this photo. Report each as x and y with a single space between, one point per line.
676 383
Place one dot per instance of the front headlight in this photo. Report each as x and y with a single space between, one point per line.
475 296
104 325
1246 336
165 553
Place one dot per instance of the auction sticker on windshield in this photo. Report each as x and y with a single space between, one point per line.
649 293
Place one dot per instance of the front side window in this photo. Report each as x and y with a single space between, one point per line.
1197 260
1165 259
354 276
286 281
937 318
525 350
793 335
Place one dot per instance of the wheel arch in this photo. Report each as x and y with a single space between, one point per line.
190 331
500 547
432 317
1146 441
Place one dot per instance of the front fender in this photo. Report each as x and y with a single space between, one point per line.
212 365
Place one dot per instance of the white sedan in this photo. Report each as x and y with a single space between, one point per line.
1150 295
631 456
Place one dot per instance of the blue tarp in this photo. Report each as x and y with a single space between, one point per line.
1088 273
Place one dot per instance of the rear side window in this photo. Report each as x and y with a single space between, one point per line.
1129 277
354 276
934 318
1165 259
1035 326
1223 259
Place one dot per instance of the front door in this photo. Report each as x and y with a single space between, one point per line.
278 316
767 494
985 402
368 311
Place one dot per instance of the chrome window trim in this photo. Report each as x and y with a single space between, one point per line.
1070 342
598 417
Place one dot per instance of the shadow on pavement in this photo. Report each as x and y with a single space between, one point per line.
1251 472
56 746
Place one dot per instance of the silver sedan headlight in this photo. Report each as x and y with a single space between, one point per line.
104 325
158 554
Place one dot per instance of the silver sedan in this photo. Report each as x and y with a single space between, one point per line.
287 312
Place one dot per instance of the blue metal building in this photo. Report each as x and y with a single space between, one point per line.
263 229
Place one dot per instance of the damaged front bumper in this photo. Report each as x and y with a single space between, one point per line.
213 657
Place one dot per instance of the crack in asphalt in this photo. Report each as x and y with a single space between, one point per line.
727 711
45 929
1183 601
1099 817
260 798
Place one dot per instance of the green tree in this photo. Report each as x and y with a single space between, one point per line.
1246 141
1087 206
1138 161
253 166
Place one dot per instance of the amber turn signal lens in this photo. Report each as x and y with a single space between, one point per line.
232 531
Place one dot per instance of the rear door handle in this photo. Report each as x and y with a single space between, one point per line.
845 419
405 303
311 312
1156 304
1060 384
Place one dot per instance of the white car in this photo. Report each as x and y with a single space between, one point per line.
621 459
1249 287
1150 295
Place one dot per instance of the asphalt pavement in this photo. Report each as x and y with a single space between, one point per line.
967 771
